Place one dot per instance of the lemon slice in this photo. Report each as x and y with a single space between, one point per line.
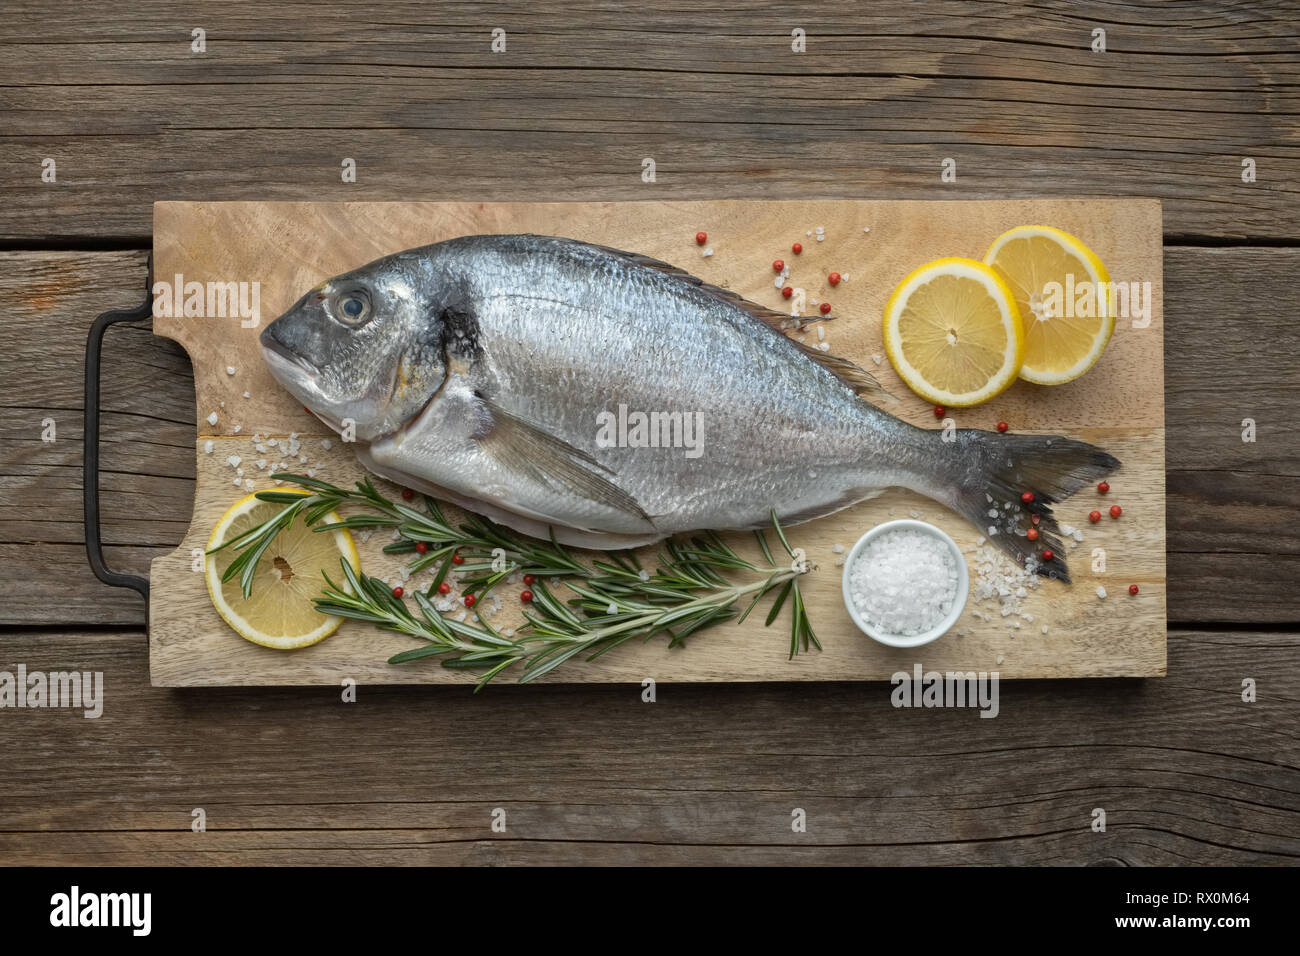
291 572
1066 327
953 332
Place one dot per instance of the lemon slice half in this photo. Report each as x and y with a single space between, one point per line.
291 572
953 332
1063 292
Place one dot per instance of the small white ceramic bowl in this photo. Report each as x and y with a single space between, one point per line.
958 604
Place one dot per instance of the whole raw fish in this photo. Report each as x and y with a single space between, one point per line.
550 383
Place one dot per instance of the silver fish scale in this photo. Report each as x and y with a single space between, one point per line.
569 331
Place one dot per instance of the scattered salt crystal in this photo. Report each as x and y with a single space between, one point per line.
233 461
837 548
230 370
239 472
236 482
212 419
644 575
248 484
1000 659
246 395
612 609
707 252
877 357
824 346
207 448
866 228
1101 592
238 429
302 459
326 444
821 238
1044 628
821 333
980 540
273 441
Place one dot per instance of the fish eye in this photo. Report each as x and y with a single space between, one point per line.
353 307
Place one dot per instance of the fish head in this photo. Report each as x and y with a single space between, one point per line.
364 346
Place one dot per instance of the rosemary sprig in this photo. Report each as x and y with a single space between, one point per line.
614 599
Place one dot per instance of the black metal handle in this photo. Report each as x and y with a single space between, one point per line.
90 479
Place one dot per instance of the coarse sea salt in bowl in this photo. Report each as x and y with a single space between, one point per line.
905 583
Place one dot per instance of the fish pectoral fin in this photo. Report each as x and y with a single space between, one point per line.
544 456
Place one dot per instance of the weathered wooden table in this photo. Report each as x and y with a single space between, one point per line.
1183 101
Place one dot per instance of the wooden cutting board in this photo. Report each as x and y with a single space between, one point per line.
287 248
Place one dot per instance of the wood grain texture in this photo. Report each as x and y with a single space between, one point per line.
1119 405
581 95
1185 770
1230 537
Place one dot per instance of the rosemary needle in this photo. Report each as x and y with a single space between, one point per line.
614 598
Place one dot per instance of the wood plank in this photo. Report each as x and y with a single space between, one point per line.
1014 93
1186 771
1067 631
1230 541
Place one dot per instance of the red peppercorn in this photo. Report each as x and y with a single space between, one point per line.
421 547
833 278
444 588
825 307
528 580
1103 487
1094 516
1027 497
408 494
1132 589
469 600
1032 534
787 292
1002 426
525 596
701 238
457 559
1116 511
797 248
939 411
1047 554
398 592
778 265
1034 518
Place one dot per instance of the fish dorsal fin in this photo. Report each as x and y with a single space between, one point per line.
543 455
850 373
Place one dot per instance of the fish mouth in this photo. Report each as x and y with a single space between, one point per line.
279 357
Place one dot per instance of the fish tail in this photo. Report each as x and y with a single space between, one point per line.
990 474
